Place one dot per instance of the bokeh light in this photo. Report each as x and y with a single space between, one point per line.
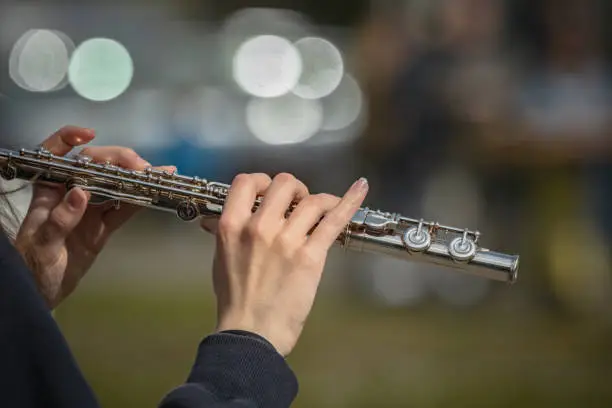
39 60
284 120
257 20
252 22
101 69
322 68
343 106
267 66
452 114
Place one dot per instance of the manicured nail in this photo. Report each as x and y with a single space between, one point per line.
361 184
143 163
73 199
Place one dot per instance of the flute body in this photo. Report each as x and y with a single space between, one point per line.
189 198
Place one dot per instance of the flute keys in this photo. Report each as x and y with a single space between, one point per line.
110 167
8 173
187 210
359 217
83 160
417 239
42 152
462 249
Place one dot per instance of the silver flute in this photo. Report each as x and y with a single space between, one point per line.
189 198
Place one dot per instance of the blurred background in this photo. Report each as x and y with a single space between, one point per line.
487 114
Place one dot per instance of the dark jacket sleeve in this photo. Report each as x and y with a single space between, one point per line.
37 369
236 369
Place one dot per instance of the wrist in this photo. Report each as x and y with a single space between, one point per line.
266 334
248 334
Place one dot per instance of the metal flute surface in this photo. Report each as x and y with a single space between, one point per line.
371 231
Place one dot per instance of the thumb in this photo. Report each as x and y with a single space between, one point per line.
62 220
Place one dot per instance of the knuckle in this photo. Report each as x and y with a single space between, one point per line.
322 201
285 178
336 219
129 154
227 226
58 224
303 187
257 230
60 220
328 197
263 176
241 179
327 200
313 201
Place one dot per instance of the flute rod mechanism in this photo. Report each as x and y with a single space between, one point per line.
372 231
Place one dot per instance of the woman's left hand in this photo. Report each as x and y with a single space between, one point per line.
61 235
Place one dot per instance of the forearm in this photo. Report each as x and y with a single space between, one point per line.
236 369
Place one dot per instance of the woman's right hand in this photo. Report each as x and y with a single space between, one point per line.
267 267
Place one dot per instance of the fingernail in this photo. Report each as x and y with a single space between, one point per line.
361 184
73 199
90 130
143 163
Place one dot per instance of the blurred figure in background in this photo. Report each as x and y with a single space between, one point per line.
452 89
418 147
556 129
565 111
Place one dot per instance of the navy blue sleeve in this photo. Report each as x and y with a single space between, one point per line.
233 369
236 369
37 368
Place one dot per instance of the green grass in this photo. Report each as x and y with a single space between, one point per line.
135 345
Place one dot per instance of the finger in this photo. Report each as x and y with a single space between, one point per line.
44 200
48 195
240 200
62 220
116 155
308 213
284 189
169 169
65 139
332 225
114 219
